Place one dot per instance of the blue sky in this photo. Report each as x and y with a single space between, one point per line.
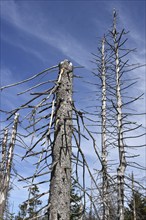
38 34
49 31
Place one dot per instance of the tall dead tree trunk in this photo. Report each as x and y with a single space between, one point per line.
2 171
103 138
121 147
3 157
7 157
59 201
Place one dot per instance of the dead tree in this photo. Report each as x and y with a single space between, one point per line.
6 164
122 159
47 122
59 201
115 120
104 137
51 120
120 65
102 61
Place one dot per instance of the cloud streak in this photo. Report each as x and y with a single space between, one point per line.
44 31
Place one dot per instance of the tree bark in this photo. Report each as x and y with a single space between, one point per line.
104 148
122 159
7 163
60 186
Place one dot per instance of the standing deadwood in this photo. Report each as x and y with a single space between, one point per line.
133 195
103 138
7 163
3 157
59 201
122 159
3 165
91 205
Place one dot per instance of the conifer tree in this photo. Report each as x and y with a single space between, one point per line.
29 208
140 207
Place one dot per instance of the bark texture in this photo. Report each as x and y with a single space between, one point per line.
122 159
59 201
104 149
7 158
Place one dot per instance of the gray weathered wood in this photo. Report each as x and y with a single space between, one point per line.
122 159
59 201
7 164
104 138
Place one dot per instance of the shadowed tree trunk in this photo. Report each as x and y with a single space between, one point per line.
59 201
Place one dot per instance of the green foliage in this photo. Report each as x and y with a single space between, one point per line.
75 204
140 206
12 216
30 211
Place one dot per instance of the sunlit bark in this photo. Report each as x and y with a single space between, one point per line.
59 201
7 157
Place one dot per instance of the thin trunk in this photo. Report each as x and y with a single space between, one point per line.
91 202
8 164
3 170
104 149
4 149
59 201
133 195
122 159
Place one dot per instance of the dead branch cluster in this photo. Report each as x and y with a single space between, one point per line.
52 130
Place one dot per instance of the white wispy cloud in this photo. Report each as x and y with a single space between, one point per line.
45 31
25 48
9 98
